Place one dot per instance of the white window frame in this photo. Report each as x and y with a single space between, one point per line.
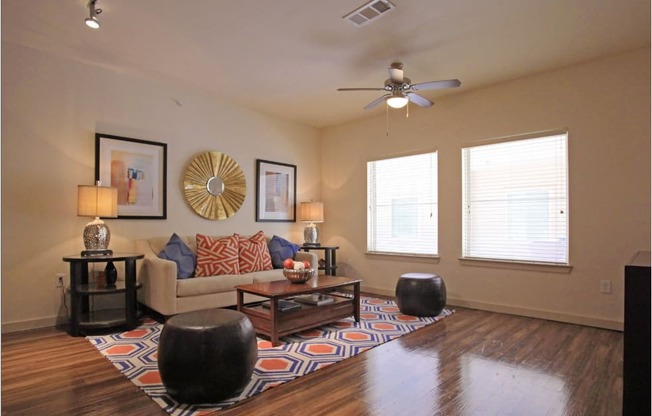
491 230
394 189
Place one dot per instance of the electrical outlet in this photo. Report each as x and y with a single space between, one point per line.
58 279
605 286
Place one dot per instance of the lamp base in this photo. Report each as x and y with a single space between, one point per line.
310 235
96 235
100 252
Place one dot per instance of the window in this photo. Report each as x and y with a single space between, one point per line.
515 200
402 205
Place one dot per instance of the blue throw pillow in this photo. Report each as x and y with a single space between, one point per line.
281 249
177 251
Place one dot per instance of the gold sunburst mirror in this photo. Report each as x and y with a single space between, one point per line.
214 185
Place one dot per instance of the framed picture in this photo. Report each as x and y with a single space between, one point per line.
138 168
276 188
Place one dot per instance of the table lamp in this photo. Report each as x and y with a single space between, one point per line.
311 212
97 201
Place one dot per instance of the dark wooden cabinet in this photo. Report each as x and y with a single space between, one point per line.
636 348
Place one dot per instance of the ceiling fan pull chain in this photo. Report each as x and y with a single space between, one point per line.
407 110
387 119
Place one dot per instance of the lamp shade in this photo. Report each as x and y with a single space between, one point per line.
312 212
97 201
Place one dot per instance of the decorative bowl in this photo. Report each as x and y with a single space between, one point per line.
298 276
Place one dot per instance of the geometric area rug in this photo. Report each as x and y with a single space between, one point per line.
134 352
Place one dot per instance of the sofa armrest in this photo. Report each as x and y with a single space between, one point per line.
159 279
310 257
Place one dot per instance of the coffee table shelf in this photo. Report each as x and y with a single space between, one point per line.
275 324
299 319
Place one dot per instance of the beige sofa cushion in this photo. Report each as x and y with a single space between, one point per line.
212 284
267 275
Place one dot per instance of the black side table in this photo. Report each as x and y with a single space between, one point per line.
81 317
330 258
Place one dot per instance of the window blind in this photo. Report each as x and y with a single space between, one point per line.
402 205
515 200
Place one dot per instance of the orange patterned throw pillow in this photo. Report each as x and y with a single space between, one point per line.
254 254
217 256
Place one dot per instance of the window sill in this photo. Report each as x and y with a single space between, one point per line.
404 256
516 265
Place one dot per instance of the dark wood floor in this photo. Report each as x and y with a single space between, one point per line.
472 363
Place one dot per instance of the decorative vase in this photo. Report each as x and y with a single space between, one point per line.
110 274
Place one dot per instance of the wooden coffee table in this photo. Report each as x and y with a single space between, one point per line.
275 324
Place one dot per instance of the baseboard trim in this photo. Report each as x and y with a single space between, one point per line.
377 291
49 322
464 303
520 311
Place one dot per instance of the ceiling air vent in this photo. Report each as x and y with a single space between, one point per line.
369 12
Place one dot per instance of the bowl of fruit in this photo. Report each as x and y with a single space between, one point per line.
297 271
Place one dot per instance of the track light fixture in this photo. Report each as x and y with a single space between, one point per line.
92 21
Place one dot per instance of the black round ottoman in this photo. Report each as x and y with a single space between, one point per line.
207 356
420 294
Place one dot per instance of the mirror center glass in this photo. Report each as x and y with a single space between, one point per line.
215 186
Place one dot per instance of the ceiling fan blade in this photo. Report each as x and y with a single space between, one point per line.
419 100
361 89
435 85
376 101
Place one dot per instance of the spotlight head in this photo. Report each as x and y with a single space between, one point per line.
92 22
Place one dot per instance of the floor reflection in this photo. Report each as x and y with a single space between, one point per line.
484 364
491 387
400 376
462 384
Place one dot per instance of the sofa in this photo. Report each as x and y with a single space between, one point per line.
164 291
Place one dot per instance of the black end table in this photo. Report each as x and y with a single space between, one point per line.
81 317
330 257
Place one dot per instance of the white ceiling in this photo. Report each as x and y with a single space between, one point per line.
288 57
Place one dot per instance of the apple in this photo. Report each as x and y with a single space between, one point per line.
306 264
288 263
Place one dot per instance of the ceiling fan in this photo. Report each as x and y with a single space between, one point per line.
400 89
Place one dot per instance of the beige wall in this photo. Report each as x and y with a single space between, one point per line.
51 109
605 105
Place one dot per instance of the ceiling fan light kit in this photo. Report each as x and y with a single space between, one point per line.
400 89
397 101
